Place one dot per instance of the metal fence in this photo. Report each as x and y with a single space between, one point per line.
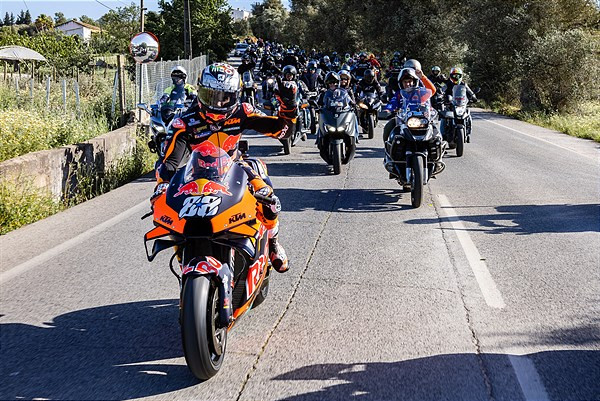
153 78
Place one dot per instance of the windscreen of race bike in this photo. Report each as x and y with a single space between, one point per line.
207 161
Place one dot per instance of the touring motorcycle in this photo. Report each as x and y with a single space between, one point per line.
413 152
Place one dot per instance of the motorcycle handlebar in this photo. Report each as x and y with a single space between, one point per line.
264 199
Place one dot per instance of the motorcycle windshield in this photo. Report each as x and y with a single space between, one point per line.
416 100
177 96
459 95
207 161
338 101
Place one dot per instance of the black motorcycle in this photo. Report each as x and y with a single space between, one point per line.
303 121
369 106
413 153
338 133
456 119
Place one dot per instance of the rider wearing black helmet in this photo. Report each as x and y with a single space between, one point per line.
359 68
248 64
369 83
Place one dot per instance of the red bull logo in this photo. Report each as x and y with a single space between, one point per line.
214 188
209 188
206 148
231 142
191 188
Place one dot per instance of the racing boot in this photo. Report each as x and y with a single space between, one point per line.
277 255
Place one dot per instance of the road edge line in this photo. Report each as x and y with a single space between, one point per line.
52 252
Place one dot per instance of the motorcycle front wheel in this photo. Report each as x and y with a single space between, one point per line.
416 193
203 342
337 158
460 142
371 126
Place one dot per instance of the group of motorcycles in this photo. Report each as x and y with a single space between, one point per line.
208 211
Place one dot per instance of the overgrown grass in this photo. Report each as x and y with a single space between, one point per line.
582 121
28 123
21 204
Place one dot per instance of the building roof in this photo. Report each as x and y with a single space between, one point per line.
92 27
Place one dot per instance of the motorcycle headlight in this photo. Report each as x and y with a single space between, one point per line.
341 129
417 122
270 81
329 128
363 106
460 110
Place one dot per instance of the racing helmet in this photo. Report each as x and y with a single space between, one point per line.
435 70
408 73
289 71
219 88
312 66
332 77
412 63
345 75
369 76
362 56
178 73
456 75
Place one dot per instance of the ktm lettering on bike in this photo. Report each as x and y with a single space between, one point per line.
200 206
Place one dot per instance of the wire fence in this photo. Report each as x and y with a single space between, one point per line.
153 78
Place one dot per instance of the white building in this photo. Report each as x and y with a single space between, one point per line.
75 27
239 14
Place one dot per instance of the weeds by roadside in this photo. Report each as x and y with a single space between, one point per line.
583 121
21 204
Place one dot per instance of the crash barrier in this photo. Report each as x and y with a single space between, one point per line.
54 171
153 78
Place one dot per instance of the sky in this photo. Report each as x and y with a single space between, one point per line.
92 8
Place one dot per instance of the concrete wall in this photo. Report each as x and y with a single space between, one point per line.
54 170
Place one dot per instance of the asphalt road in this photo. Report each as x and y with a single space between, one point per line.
489 291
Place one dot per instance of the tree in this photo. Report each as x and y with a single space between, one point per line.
268 19
44 22
21 18
59 18
28 17
212 31
118 28
241 28
87 20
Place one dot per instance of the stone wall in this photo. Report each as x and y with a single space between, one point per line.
54 170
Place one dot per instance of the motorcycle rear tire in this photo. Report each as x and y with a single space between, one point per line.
371 126
203 344
337 158
416 193
460 142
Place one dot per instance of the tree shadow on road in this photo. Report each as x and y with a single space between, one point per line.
99 353
350 200
532 219
571 375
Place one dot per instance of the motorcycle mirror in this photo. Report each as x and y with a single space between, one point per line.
477 90
243 146
144 47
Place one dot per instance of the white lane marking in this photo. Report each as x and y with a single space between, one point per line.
486 283
538 138
49 254
529 379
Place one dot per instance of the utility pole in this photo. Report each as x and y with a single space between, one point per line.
187 30
142 9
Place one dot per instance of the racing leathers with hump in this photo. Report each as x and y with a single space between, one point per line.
219 117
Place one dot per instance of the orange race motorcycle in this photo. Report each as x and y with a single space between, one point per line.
208 214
